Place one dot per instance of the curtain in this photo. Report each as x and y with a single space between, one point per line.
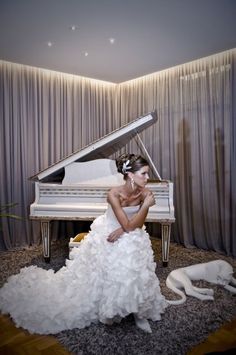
193 144
46 115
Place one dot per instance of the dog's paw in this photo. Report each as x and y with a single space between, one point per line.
204 291
205 297
209 292
209 298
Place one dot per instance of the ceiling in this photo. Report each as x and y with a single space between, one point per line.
74 36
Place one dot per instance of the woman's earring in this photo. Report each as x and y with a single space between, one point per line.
132 183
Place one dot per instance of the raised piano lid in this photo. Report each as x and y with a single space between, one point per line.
98 172
101 148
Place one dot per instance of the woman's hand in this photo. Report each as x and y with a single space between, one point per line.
115 235
149 200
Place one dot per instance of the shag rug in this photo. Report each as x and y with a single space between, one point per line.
181 328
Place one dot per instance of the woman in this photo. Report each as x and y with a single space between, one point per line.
111 274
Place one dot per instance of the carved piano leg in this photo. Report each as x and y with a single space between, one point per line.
45 232
165 240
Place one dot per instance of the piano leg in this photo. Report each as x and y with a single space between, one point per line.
165 241
45 232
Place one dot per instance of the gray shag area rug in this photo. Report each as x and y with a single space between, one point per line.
181 327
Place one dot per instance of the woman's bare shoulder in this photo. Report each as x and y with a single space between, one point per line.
114 192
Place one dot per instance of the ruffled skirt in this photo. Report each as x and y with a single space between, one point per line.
101 281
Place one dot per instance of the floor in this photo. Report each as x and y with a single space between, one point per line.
18 341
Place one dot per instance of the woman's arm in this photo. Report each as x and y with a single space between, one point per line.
115 235
138 220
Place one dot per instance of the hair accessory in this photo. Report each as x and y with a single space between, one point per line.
126 167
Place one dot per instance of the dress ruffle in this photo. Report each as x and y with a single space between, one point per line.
101 281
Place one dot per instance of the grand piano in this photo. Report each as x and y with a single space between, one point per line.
75 188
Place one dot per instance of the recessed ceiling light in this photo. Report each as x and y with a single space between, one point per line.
49 43
85 54
73 27
112 40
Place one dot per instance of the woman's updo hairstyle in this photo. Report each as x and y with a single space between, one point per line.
130 163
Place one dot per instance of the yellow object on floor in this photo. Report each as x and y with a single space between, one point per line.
79 237
75 242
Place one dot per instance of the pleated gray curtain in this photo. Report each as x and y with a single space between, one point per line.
193 144
46 116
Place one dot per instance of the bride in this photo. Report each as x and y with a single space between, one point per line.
111 274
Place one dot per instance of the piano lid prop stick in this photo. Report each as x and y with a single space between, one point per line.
149 158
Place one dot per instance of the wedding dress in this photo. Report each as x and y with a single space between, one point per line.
102 281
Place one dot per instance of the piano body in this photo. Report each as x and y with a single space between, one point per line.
76 187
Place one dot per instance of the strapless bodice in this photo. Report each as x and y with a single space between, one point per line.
129 210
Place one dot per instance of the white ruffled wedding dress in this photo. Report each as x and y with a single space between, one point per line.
102 281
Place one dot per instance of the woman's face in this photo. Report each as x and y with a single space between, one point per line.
141 176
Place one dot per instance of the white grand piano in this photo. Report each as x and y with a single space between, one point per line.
76 187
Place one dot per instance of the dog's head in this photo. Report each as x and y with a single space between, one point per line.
219 272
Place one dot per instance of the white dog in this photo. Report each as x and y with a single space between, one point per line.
217 272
